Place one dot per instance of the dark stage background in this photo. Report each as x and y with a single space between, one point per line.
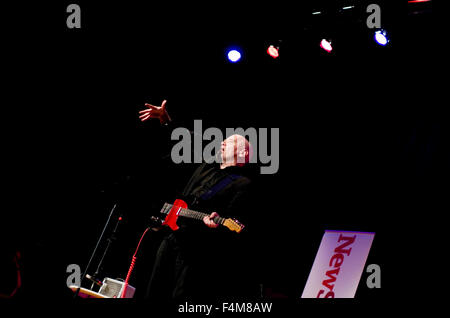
363 144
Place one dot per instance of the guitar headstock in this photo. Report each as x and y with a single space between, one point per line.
233 225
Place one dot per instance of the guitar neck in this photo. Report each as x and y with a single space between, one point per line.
191 213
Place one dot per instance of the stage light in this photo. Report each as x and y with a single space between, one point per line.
326 45
273 51
381 37
234 55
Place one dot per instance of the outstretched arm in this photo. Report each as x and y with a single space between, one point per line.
161 113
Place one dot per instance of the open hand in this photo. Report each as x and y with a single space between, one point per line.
155 112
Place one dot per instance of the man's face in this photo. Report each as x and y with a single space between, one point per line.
228 149
234 150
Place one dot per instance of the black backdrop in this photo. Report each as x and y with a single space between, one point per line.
363 145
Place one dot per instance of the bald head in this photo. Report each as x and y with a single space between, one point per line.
236 150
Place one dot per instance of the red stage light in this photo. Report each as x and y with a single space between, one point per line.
273 51
326 45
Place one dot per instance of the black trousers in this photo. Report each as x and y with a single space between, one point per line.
187 268
168 277
180 270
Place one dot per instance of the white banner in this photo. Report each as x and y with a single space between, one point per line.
339 264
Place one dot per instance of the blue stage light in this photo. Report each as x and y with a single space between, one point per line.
234 55
381 37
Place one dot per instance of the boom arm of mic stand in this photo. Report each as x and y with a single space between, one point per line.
95 250
110 239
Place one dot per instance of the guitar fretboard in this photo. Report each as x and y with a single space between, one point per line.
190 213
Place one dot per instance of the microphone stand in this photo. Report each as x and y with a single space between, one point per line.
95 250
110 239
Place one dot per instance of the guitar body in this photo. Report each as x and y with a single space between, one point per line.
172 216
179 208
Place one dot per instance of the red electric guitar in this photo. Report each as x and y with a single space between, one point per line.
179 208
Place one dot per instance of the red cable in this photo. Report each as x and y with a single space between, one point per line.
133 262
16 259
19 278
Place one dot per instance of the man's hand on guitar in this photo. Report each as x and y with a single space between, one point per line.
155 112
209 220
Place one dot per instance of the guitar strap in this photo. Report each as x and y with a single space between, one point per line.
219 186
